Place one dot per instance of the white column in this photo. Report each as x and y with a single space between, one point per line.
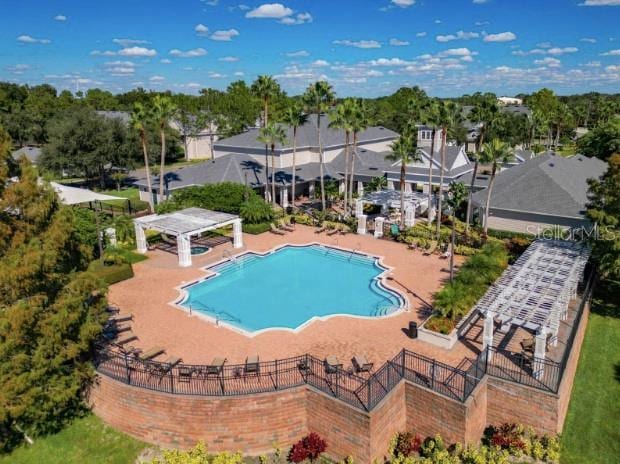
359 207
140 238
311 189
425 188
284 197
390 185
111 233
408 187
237 234
487 334
341 186
361 224
360 188
379 220
184 250
540 349
409 216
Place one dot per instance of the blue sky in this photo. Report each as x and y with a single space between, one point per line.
363 47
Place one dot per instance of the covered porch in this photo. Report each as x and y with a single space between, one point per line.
414 203
184 225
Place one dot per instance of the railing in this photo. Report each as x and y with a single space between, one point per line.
542 374
363 391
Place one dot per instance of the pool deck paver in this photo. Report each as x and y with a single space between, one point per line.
196 340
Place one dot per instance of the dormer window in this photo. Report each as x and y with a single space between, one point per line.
426 135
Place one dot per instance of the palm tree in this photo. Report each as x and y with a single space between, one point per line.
139 121
163 109
271 136
429 117
486 113
447 111
359 123
456 196
294 117
495 153
405 151
265 88
318 97
341 118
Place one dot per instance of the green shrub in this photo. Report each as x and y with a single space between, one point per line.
455 299
111 273
256 229
224 196
256 211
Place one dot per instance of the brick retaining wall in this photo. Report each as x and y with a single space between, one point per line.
254 424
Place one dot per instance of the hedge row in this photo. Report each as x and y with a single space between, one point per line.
111 274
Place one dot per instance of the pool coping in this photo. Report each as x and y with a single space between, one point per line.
209 273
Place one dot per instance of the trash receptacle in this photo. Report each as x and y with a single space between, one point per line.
413 329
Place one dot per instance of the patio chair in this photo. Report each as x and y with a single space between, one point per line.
332 364
185 374
284 226
252 366
151 353
121 318
274 230
446 254
344 230
321 229
216 367
126 338
361 364
431 249
333 231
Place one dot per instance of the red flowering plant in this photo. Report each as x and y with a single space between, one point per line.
309 447
506 436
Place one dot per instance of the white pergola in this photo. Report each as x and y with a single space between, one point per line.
183 225
535 292
413 201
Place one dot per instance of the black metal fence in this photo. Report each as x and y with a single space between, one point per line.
363 390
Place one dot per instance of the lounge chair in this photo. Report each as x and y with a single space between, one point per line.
113 329
216 367
446 254
252 366
121 318
431 249
361 364
284 226
150 354
275 230
185 374
333 231
126 338
332 364
413 246
112 309
321 229
344 230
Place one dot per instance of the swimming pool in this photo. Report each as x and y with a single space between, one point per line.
290 286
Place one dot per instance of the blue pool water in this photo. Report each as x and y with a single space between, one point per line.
290 286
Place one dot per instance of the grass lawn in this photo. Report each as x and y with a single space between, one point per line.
130 193
592 429
85 441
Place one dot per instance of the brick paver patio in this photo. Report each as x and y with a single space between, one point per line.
196 340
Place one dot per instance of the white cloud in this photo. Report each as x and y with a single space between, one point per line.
300 18
457 52
389 62
229 59
587 39
129 42
103 53
460 35
165 61
270 10
32 40
224 36
593 64
482 23
562 51
201 30
479 2
398 43
500 37
193 85
298 53
137 51
358 43
157 78
188 53
18 69
239 73
600 3
243 7
548 61
613 68
374 73
355 80
403 3
612 52
214 75
320 63
421 34
60 18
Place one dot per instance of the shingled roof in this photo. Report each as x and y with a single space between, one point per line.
548 184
